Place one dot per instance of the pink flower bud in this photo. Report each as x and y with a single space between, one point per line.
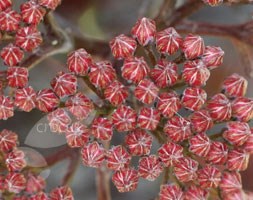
77 135
64 84
50 4
93 155
150 167
170 192
39 196
242 108
169 153
32 12
195 73
200 144
79 62
146 91
213 2
124 118
195 193
125 180
60 193
237 160
248 145
117 158
235 85
9 20
15 182
15 160
219 107
59 120
122 46
209 177
139 142
168 104
178 129
28 38
25 99
102 74
35 184
193 98
237 133
185 169
5 4
102 128
201 121
116 93
168 41
6 107
164 74
218 153
8 140
148 118
79 105
46 100
17 76
135 69
213 56
144 30
231 182
12 55
193 46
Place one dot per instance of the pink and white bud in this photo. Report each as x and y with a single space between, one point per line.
125 180
5 4
102 74
200 144
8 140
15 182
169 153
170 192
135 69
237 133
12 55
17 76
168 41
238 160
6 107
178 129
28 38
194 98
15 160
139 142
79 105
165 73
77 135
148 118
25 99
150 167
79 62
46 100
50 4
124 118
242 108
123 46
117 158
146 91
93 155
101 128
219 107
116 93
193 46
185 169
231 182
235 85
144 31
64 84
9 20
168 104
209 177
201 121
61 193
218 153
213 57
195 73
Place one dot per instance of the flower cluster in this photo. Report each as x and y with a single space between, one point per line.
21 30
142 102
16 178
